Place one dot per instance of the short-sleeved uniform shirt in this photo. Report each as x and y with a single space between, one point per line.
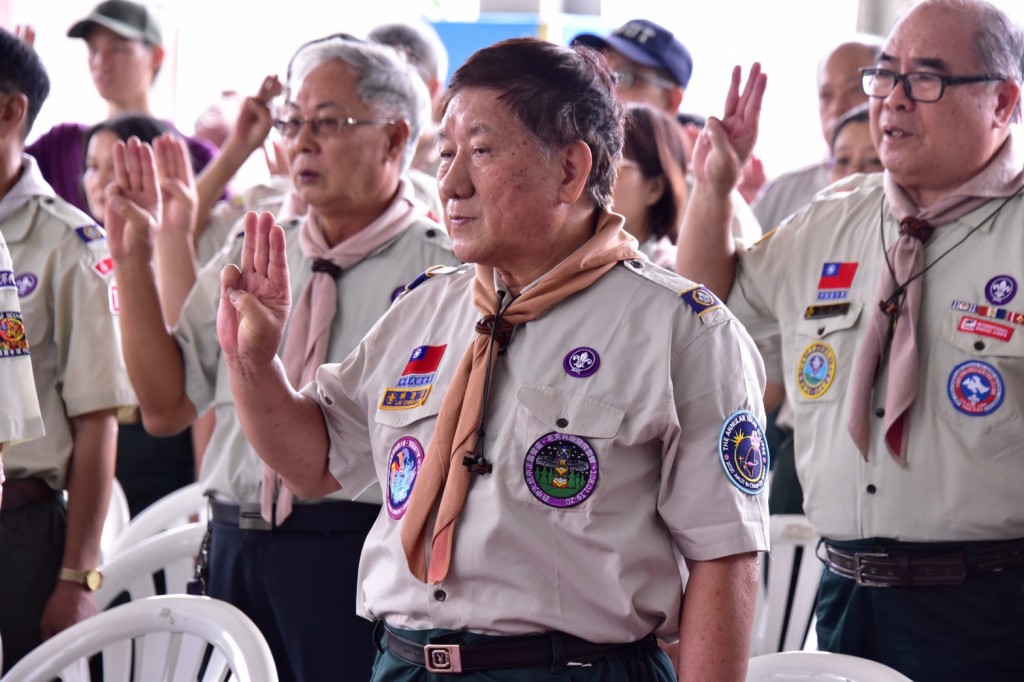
603 428
68 296
814 282
19 408
231 470
788 193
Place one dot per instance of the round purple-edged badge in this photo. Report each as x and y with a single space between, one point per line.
404 464
744 452
581 362
1000 289
561 469
975 388
26 283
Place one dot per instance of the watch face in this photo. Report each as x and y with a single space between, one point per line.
93 580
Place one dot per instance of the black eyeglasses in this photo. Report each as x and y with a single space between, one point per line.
323 127
918 85
627 79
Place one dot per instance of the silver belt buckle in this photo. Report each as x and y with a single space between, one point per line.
858 569
442 658
250 517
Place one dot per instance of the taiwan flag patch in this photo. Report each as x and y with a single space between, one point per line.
836 279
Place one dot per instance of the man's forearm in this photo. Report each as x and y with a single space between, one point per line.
706 251
90 478
286 428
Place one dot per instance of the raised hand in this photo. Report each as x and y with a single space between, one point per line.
726 144
254 116
177 186
255 298
133 202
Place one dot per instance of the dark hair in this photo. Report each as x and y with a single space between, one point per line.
560 94
21 71
125 126
858 114
655 142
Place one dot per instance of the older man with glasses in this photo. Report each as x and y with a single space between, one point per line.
352 114
905 285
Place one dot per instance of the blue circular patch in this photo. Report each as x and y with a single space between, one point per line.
744 452
581 362
561 469
975 388
404 463
1001 289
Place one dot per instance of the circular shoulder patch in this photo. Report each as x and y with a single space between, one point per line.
26 283
815 370
581 362
744 452
561 469
404 463
975 388
1000 289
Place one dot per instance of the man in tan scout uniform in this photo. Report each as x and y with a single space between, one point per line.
49 553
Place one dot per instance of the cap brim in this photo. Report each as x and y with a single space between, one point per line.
82 28
627 48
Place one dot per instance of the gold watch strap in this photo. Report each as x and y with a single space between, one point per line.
90 579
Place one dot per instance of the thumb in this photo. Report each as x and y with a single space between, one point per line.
176 189
132 212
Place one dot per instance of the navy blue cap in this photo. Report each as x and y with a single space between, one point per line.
646 43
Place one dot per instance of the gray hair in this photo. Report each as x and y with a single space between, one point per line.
386 84
420 44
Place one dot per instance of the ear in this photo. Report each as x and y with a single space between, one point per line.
398 138
576 165
13 112
1007 96
654 189
673 98
158 59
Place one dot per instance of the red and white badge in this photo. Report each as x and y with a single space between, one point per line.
993 330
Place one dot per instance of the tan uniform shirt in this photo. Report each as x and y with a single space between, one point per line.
69 301
20 419
964 466
788 193
231 471
603 428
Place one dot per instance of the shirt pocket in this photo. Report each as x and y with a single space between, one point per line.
559 448
822 353
976 366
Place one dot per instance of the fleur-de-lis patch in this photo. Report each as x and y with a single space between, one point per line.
581 362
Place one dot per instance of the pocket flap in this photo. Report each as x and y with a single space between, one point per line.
570 413
820 327
399 417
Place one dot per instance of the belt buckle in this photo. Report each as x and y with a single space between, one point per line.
442 658
858 568
250 517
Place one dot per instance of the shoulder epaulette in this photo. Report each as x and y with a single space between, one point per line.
432 271
700 299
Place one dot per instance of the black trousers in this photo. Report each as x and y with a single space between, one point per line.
299 586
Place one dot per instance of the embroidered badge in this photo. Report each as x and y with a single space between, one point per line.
581 362
813 312
7 280
1000 289
12 335
561 469
90 233
835 281
816 370
988 311
700 299
744 452
413 387
26 283
975 388
113 299
104 267
404 463
396 293
994 330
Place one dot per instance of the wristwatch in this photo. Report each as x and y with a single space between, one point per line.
90 579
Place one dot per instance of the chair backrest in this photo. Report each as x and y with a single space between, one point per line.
161 564
178 508
818 666
117 519
789 587
158 638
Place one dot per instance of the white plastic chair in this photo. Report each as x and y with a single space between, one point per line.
158 638
174 509
135 570
116 520
818 666
783 618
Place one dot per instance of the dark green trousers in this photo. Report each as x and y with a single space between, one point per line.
648 664
31 548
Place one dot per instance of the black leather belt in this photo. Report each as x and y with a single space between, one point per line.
518 652
914 569
336 516
18 492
